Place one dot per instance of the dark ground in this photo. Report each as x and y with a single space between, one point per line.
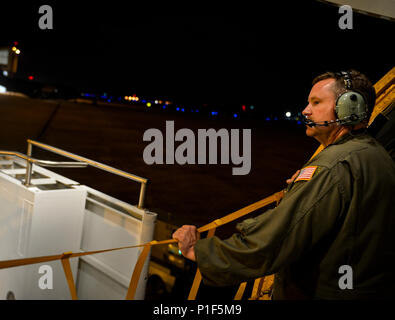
180 194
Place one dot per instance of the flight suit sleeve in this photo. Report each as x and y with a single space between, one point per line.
279 236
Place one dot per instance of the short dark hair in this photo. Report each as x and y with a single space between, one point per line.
359 83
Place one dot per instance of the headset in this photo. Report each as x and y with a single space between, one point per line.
351 107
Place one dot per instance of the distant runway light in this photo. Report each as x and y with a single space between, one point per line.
149 104
235 115
288 114
252 107
267 119
3 89
17 51
178 109
5 73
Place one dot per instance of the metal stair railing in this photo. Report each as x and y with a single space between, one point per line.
143 181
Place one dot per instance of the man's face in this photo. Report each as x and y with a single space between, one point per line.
321 108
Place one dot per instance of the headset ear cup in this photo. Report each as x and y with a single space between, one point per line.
350 108
337 107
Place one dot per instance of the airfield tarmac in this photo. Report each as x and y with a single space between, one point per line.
180 194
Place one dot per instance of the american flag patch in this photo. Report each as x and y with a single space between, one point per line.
306 173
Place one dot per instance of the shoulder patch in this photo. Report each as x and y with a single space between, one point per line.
306 173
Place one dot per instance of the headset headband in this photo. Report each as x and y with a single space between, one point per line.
347 78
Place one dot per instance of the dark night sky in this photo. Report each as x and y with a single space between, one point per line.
266 56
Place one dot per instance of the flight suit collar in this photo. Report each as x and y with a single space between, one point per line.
348 136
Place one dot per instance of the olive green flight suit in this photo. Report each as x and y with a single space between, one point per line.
344 215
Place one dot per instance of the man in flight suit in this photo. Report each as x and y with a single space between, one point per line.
337 214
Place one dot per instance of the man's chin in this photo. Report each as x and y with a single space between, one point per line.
309 131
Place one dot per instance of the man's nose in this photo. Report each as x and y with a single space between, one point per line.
306 111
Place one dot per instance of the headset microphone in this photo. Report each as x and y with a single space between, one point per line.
311 123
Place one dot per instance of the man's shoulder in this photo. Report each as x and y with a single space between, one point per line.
361 146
